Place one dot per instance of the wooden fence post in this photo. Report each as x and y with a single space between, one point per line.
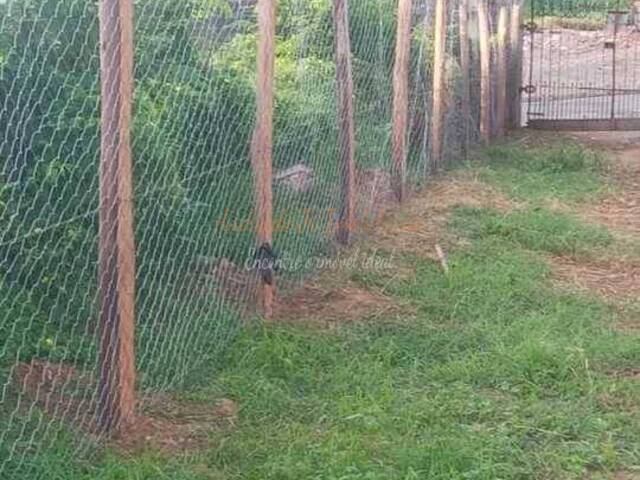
502 56
262 151
116 270
439 61
401 98
515 66
465 68
485 72
346 223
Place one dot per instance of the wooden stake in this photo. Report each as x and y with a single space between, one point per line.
401 98
465 68
485 72
116 282
262 149
502 54
347 220
514 119
439 73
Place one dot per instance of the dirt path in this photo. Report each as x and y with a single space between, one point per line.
617 277
619 211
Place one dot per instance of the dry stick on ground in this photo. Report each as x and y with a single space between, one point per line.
439 45
485 72
401 98
514 109
116 395
262 144
347 127
501 67
443 259
463 13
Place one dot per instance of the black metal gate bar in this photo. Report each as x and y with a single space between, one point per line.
622 124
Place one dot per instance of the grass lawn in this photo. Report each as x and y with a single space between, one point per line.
491 371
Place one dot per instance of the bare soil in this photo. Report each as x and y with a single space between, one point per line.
162 424
319 303
617 277
614 279
620 210
171 427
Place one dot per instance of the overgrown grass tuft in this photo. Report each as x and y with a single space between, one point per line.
565 171
536 229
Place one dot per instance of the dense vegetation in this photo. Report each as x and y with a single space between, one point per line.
193 122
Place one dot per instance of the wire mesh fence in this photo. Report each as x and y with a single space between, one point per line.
194 115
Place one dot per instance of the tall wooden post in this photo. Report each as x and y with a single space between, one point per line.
465 68
116 282
262 151
485 72
514 119
439 61
502 56
344 74
401 98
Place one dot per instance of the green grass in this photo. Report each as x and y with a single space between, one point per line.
494 373
536 229
563 171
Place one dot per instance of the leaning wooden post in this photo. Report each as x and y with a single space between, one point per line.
401 98
116 270
262 151
439 61
465 68
502 55
346 223
485 72
514 119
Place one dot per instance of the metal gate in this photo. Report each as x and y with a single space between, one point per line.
582 65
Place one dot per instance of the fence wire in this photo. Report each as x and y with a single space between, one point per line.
194 114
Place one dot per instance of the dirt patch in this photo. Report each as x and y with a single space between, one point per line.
315 303
620 475
68 394
61 390
167 426
619 211
626 476
631 374
628 319
614 278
